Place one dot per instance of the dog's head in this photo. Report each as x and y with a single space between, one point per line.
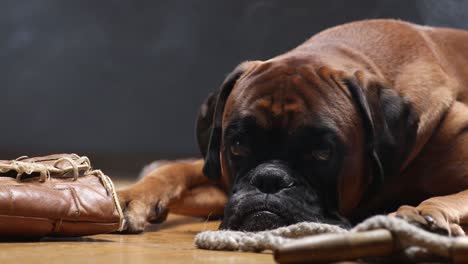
297 141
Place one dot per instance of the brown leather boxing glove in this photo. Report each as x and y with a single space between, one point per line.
56 195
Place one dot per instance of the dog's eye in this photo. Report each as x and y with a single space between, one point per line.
323 154
238 149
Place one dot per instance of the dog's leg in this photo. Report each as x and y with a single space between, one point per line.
206 200
442 214
442 171
177 186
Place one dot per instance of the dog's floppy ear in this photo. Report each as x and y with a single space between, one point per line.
205 122
209 121
390 123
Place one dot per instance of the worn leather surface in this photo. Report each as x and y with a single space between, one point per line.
60 205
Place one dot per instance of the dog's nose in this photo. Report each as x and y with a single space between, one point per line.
271 179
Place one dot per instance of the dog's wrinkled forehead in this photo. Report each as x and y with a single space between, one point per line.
279 94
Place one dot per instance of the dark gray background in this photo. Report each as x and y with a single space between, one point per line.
122 80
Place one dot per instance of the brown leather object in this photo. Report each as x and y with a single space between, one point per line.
56 195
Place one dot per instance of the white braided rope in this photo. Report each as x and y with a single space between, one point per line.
417 242
258 241
408 235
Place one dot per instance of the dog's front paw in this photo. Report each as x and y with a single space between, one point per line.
140 208
430 218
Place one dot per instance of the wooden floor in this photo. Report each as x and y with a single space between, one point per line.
167 243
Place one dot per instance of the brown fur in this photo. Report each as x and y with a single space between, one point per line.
426 65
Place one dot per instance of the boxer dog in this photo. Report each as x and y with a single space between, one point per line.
365 118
